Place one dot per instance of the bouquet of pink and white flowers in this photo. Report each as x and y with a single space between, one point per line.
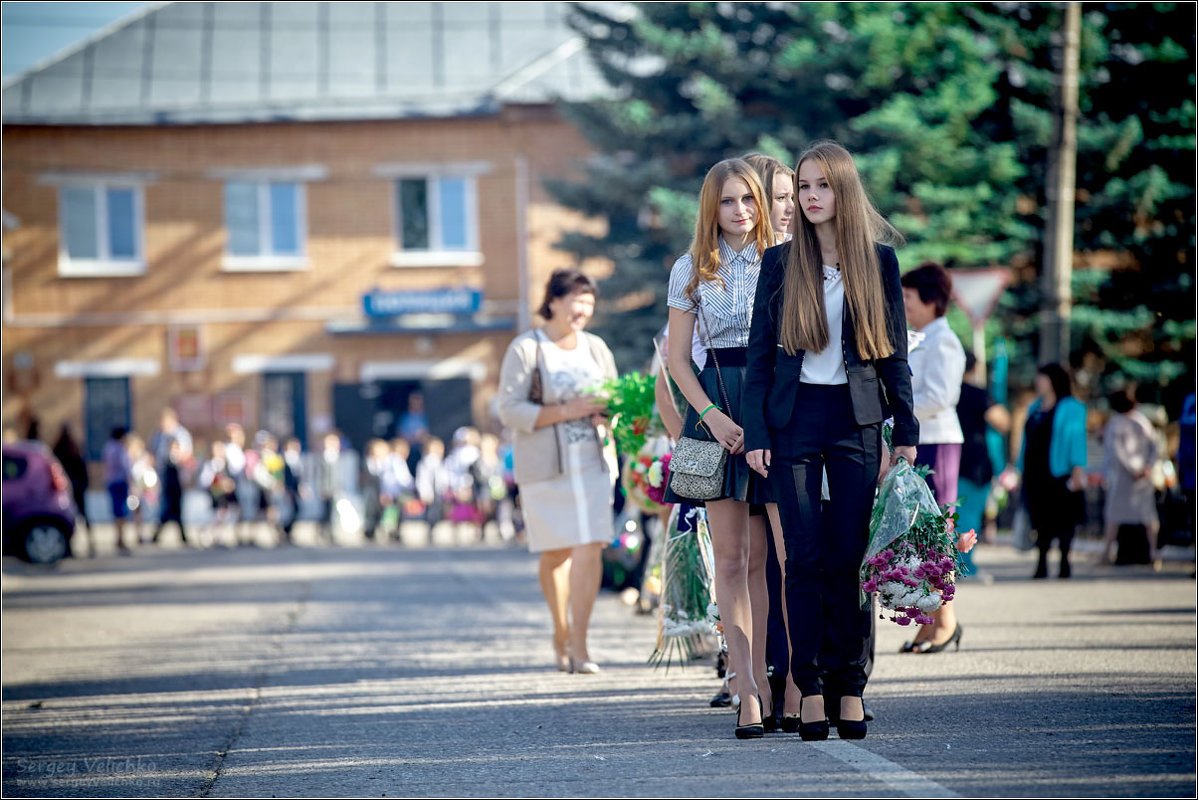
646 475
911 560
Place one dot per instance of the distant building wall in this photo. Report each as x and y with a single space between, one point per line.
66 335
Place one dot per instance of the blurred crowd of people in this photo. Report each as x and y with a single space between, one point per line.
256 482
1140 475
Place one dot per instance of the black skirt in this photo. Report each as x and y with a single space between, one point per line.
740 481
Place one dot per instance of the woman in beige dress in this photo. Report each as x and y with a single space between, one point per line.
1130 450
566 476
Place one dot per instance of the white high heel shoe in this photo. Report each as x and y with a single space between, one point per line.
584 667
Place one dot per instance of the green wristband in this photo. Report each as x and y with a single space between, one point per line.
704 412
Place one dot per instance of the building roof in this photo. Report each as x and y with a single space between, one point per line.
209 62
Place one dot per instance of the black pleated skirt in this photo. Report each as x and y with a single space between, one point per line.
740 481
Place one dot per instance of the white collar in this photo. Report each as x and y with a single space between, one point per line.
934 326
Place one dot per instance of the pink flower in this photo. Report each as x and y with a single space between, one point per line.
967 540
870 585
949 525
903 620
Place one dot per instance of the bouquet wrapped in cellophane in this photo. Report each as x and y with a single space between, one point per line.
911 560
687 579
630 403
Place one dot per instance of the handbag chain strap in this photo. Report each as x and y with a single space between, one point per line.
719 375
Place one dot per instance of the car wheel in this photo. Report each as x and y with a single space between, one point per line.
45 543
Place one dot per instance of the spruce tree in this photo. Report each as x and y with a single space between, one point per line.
947 108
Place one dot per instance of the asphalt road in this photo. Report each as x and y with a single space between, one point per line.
426 671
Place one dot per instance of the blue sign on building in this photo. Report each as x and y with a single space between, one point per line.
432 301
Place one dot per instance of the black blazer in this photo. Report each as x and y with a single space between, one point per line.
879 387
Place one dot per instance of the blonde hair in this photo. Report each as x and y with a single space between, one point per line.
858 226
705 247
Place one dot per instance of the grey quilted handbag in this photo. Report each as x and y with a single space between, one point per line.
697 466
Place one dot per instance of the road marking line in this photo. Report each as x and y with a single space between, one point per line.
901 779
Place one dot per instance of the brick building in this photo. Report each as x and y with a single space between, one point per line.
288 215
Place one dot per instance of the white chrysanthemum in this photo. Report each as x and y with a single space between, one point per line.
655 475
671 627
929 603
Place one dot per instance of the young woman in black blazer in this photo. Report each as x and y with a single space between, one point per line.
827 362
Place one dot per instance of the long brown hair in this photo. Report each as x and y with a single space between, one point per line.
767 167
705 247
858 224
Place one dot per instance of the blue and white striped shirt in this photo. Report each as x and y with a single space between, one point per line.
727 308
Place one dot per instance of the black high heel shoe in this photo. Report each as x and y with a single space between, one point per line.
812 731
851 728
770 721
754 731
928 647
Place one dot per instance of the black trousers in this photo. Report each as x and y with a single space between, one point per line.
830 620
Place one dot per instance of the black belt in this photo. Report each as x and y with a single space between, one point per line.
729 356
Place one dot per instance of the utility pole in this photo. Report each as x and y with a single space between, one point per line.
1062 183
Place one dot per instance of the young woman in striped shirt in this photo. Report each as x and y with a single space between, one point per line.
713 286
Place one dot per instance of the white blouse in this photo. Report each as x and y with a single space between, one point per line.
572 373
937 368
827 366
727 307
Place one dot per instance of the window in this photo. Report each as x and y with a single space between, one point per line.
100 228
437 221
14 467
265 221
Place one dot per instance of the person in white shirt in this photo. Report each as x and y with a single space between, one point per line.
826 340
937 369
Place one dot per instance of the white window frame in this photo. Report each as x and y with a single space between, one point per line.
268 261
103 266
435 255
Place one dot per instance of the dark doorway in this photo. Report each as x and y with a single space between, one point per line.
364 411
284 406
106 405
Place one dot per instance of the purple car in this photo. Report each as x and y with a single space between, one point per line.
39 513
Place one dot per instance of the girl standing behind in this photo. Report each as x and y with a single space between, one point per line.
778 181
770 641
712 286
827 338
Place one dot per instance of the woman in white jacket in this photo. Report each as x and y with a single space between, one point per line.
937 369
566 475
